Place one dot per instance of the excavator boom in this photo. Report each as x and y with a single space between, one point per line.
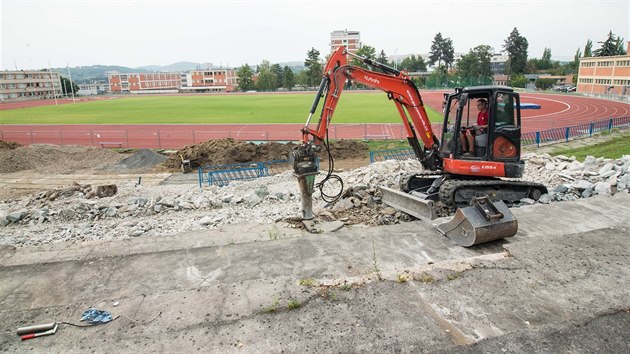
399 88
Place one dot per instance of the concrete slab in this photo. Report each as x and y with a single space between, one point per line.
263 289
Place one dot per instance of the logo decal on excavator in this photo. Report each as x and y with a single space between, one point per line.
477 168
371 79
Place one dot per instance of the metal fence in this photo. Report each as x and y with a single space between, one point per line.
575 131
222 175
394 154
531 138
176 137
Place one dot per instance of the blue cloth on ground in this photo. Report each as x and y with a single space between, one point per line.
95 316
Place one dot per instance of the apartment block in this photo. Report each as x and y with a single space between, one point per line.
209 80
605 75
349 39
144 82
29 85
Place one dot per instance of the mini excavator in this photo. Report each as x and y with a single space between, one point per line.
480 184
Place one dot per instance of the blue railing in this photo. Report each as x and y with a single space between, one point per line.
394 154
575 131
531 138
222 175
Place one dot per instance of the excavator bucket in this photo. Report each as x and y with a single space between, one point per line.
483 221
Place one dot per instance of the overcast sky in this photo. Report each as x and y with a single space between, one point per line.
137 33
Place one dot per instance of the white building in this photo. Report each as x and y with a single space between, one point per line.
349 39
29 85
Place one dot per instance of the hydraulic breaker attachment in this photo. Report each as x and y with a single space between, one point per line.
409 203
483 221
305 168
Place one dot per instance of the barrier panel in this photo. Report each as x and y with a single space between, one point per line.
394 154
168 138
222 175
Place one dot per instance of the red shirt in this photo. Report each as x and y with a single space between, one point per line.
482 118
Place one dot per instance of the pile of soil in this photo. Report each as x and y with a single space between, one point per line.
48 158
9 145
229 151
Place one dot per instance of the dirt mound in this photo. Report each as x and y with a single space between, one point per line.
48 158
8 145
228 151
348 149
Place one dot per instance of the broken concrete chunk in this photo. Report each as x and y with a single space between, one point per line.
107 190
16 215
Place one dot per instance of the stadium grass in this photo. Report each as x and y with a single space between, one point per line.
211 109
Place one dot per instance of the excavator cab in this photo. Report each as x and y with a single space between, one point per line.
500 141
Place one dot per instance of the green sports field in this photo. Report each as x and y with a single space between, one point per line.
225 109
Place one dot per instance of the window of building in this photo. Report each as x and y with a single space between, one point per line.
605 63
623 62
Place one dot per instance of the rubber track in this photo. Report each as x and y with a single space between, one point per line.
450 186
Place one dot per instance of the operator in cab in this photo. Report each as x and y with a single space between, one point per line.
479 131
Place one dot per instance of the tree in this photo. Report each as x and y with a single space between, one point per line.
266 78
516 47
545 61
611 46
588 49
413 64
476 63
279 73
68 87
289 78
365 51
442 51
544 84
245 78
313 68
576 60
621 49
518 80
382 58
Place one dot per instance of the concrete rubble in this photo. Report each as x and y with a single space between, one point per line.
81 213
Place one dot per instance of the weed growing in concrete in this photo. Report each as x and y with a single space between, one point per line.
327 294
401 278
425 278
345 287
308 282
274 306
453 276
273 235
376 270
294 304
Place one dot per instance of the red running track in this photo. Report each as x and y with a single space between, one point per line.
556 111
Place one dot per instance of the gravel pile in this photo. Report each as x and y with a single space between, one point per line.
75 215
141 160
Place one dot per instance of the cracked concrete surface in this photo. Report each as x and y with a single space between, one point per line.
550 288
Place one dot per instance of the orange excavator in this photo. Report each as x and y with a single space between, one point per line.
473 182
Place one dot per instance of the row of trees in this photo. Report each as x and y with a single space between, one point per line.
474 64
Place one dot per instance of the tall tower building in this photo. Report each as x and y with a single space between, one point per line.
349 39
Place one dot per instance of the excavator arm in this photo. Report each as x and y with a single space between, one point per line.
399 89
